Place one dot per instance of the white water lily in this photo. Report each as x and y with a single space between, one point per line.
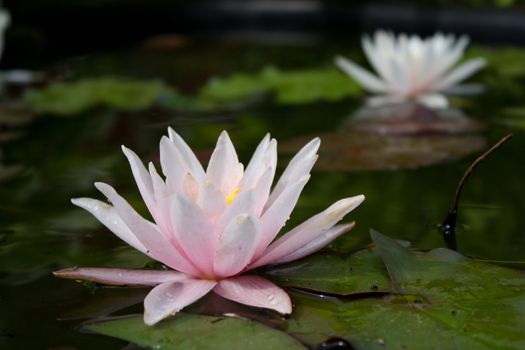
412 68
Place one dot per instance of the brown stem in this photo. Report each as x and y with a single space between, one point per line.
448 226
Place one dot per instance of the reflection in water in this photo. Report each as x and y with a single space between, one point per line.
396 137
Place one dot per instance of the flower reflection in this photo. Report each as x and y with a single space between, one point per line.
212 226
412 68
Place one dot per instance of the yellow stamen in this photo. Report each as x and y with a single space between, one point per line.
232 195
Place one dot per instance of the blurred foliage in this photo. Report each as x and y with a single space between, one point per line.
289 87
69 98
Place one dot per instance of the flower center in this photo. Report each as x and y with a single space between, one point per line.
232 195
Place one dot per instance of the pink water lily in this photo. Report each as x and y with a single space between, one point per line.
211 227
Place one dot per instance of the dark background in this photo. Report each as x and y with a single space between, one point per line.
43 31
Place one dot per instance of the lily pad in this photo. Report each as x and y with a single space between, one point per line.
187 331
442 300
66 98
361 272
289 87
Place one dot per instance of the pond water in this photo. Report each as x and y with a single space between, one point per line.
52 158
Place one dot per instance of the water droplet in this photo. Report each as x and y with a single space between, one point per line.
335 343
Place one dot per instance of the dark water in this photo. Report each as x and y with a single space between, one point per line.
59 158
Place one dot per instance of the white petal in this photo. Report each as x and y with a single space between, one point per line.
460 73
369 81
433 101
236 245
173 165
169 298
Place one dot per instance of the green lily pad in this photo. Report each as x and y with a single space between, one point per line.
66 98
187 331
289 87
362 272
442 301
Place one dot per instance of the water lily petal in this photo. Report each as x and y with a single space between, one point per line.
194 233
173 165
169 298
300 165
223 168
142 178
265 156
107 215
157 246
460 73
306 232
255 291
212 201
276 216
236 245
433 101
262 189
318 243
121 277
368 80
187 154
244 203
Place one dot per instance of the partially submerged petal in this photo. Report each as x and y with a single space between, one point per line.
306 232
255 291
120 277
169 298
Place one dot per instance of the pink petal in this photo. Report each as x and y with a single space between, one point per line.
276 216
142 177
265 156
224 169
300 165
243 203
169 298
187 154
147 233
236 245
173 165
308 231
194 233
107 215
255 291
163 198
317 244
262 189
212 201
120 277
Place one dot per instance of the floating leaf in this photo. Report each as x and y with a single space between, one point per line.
361 272
75 97
289 87
187 331
443 301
